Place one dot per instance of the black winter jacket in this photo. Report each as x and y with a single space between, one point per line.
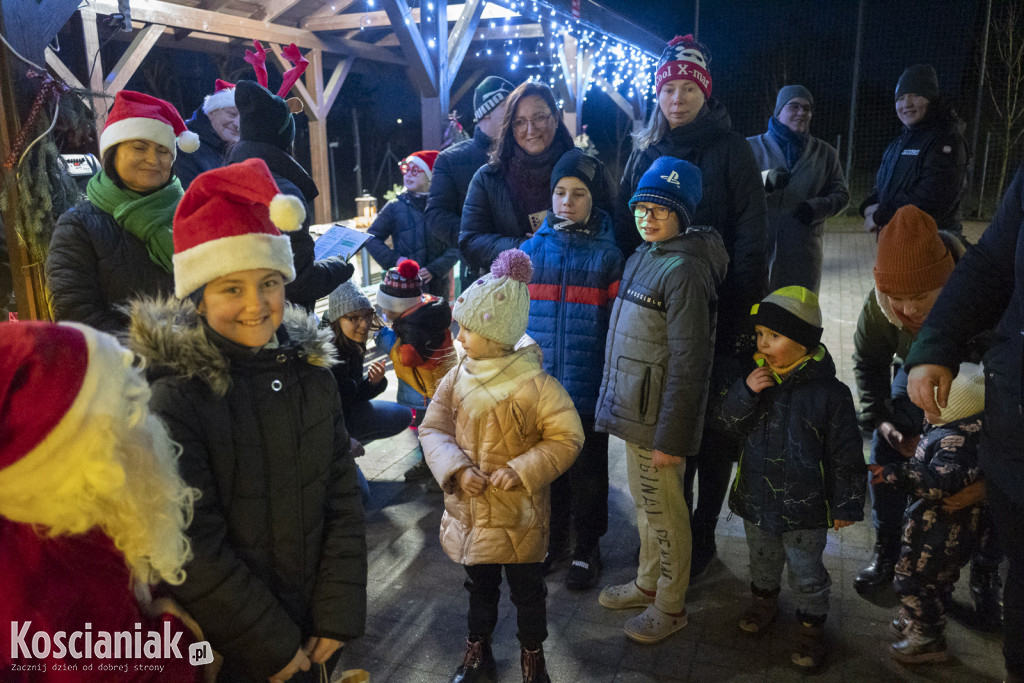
802 464
209 156
313 279
925 166
94 265
278 535
733 203
453 170
402 220
352 384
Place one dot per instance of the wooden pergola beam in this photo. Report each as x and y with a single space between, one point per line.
462 35
125 68
421 68
379 18
274 8
520 31
62 70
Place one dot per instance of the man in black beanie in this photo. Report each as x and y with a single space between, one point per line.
927 164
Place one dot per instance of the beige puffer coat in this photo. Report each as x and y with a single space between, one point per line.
494 413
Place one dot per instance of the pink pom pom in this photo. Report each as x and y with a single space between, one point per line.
513 263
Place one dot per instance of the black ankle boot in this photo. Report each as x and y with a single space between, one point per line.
478 666
879 571
987 591
534 668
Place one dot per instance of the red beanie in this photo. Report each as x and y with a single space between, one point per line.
138 116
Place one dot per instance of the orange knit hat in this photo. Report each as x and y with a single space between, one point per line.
911 256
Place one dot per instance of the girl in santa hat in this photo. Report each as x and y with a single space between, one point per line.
278 577
116 244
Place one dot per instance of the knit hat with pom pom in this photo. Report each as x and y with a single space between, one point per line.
686 59
497 306
400 289
230 219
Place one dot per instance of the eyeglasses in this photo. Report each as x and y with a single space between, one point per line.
796 108
539 121
659 213
356 318
408 168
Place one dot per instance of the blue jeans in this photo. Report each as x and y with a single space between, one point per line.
802 549
371 420
887 502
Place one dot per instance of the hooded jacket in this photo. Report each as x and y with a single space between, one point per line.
494 413
209 156
403 221
802 464
880 341
660 341
278 536
733 203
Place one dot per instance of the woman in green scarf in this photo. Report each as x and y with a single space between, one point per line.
116 244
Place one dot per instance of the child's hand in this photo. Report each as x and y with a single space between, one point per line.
472 480
876 474
375 373
505 479
661 459
905 446
760 379
840 523
355 448
425 275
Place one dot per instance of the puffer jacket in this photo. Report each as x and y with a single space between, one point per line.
802 464
575 281
353 386
278 536
94 266
524 420
733 203
403 221
209 156
661 335
313 279
453 170
879 342
926 166
945 461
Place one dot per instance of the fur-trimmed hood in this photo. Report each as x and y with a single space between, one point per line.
173 339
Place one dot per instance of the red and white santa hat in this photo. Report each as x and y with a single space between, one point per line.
424 159
230 219
55 380
138 116
684 58
223 97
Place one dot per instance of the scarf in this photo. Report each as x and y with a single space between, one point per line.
560 224
780 373
528 177
482 384
147 216
792 144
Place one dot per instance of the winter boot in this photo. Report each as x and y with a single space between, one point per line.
920 644
987 591
764 607
534 668
879 571
811 645
478 666
900 622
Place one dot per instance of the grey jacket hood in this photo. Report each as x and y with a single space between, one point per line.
697 241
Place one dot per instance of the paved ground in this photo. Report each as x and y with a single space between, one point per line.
417 606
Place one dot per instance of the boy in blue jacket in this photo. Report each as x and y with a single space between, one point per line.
576 271
801 470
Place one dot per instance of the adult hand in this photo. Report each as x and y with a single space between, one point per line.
969 495
505 479
300 662
662 459
869 219
321 649
472 480
928 387
355 448
894 437
760 379
375 373
425 275
804 213
876 474
838 524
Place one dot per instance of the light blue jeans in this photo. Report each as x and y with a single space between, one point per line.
803 550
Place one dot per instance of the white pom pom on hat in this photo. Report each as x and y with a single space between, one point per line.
138 116
287 212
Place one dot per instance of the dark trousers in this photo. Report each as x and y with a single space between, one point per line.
1008 514
579 498
713 464
888 502
527 591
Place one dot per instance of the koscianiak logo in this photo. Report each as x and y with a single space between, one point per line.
144 649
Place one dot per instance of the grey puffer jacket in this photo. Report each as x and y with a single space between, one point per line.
661 338
278 536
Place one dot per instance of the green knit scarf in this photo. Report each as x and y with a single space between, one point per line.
147 216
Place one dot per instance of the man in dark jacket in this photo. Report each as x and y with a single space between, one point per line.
986 289
216 124
927 164
816 190
455 166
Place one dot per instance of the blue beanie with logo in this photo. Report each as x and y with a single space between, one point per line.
673 183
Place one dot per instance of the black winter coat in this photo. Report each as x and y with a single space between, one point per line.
453 170
925 166
278 535
209 156
94 265
402 220
313 279
352 384
733 203
802 464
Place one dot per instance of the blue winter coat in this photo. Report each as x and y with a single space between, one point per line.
575 281
802 464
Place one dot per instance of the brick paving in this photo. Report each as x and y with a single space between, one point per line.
416 626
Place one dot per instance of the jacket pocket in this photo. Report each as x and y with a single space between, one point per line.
637 394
